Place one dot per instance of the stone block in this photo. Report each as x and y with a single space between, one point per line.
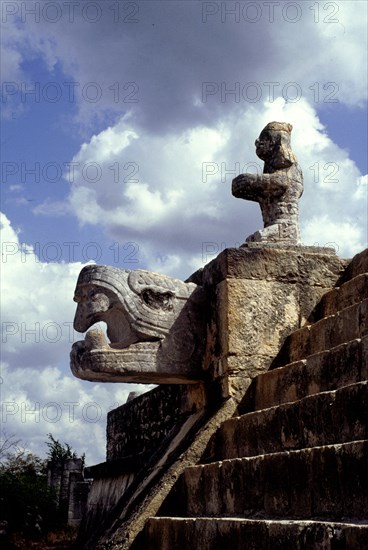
305 265
322 419
357 266
259 313
252 534
325 482
343 365
259 295
346 325
350 293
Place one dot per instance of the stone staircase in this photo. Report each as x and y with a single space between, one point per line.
291 471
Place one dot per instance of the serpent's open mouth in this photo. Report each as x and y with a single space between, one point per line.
90 357
96 342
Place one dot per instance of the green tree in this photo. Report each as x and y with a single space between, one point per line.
57 451
26 502
8 444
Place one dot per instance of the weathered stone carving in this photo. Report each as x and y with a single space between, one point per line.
278 189
154 324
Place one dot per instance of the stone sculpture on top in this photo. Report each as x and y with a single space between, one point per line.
277 190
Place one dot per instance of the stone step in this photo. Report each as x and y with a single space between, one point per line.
357 266
348 324
323 483
167 533
326 371
323 419
337 299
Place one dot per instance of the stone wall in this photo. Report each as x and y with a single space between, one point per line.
144 436
139 426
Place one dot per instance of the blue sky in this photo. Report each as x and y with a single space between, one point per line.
142 113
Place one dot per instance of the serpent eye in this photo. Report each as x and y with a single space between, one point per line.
92 294
158 300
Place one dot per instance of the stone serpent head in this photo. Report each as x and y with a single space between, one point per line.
154 324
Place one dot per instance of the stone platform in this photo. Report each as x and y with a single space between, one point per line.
257 295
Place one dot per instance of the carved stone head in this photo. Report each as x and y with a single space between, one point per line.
153 324
273 145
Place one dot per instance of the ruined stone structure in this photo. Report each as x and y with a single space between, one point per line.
256 436
66 478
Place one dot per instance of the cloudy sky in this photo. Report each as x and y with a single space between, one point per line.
123 124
